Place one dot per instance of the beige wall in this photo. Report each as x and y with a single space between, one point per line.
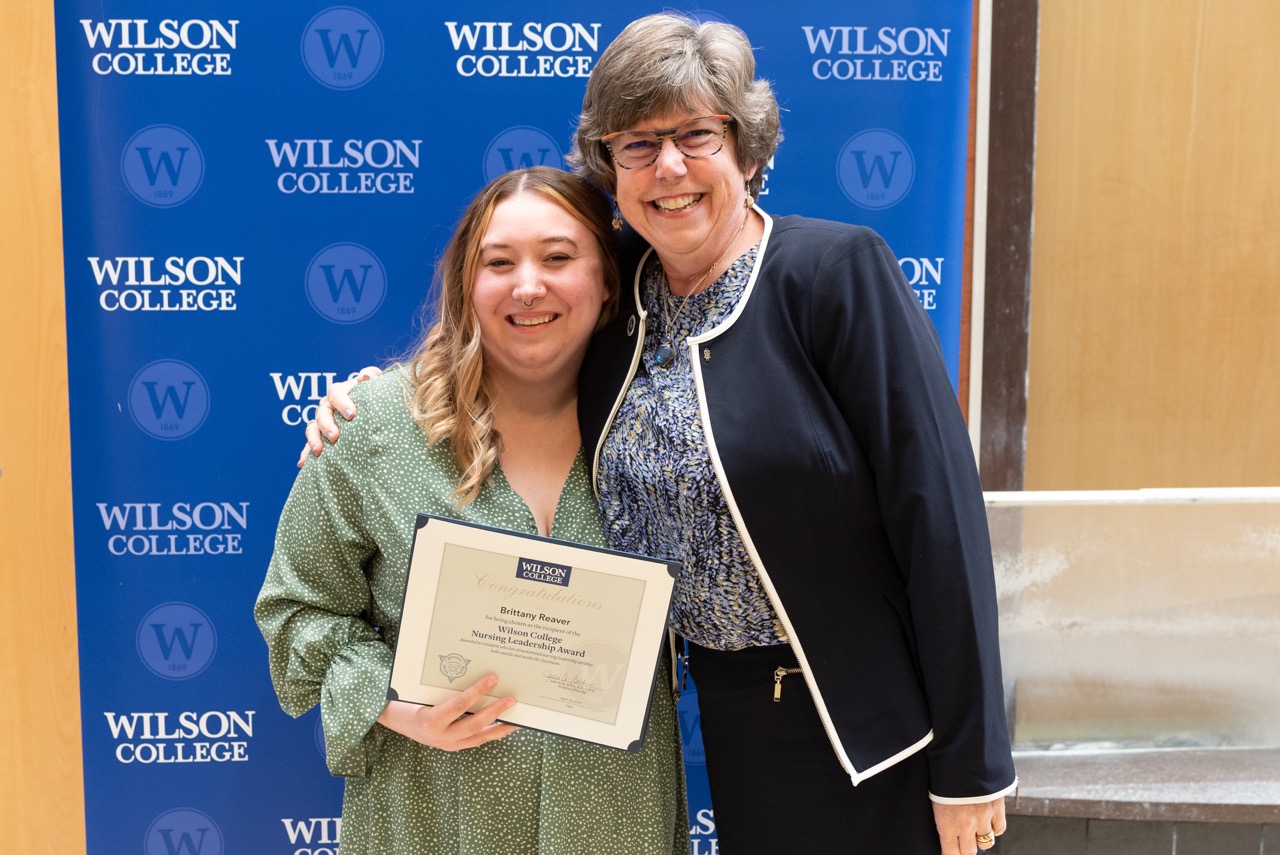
1155 300
41 802
1155 339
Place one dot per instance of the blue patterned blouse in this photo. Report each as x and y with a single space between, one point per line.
659 492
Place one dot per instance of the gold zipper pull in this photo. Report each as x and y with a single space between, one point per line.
778 674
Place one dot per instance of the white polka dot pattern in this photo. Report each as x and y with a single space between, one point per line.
330 610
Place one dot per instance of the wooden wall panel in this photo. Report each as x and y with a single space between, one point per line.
1155 316
41 791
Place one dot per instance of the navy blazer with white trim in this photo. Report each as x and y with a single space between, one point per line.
845 461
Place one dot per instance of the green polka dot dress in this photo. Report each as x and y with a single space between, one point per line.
330 610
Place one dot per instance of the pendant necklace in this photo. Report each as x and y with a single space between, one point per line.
665 355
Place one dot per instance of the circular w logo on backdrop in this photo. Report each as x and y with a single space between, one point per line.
183 830
346 283
342 47
176 641
162 166
876 169
168 399
519 148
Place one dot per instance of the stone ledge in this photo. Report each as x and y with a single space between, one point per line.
1240 785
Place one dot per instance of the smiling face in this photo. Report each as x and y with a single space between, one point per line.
688 209
535 252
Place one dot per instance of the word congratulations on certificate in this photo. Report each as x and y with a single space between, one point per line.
572 632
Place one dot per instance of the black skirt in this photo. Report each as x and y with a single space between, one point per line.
776 785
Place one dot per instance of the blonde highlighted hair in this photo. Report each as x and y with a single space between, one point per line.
451 397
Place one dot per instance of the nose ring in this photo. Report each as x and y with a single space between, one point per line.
527 303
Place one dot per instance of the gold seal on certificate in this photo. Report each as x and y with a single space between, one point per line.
572 632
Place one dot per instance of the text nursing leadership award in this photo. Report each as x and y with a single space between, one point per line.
572 632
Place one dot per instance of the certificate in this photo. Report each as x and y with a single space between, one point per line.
572 632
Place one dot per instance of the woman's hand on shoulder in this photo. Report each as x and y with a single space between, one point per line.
445 726
337 400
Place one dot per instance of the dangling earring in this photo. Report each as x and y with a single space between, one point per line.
746 203
617 215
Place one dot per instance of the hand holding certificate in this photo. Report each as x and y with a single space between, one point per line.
572 632
456 724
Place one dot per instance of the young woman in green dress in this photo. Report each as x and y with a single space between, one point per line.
480 425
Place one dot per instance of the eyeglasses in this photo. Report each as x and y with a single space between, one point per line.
700 137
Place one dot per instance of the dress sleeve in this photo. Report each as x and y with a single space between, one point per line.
314 606
886 372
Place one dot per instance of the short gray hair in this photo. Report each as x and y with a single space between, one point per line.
672 63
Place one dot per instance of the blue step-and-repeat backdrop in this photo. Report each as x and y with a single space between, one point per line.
254 195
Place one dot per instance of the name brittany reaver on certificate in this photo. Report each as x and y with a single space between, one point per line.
508 634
